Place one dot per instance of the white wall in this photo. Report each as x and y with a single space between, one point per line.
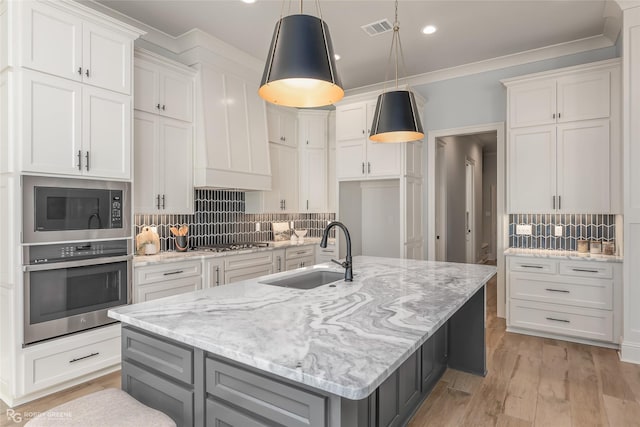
489 178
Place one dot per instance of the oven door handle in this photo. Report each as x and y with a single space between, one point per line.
79 263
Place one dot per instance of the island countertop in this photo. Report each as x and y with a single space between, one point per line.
345 340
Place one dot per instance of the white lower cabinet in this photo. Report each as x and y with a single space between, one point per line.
568 299
247 266
300 256
278 260
163 280
213 272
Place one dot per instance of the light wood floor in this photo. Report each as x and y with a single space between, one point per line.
531 382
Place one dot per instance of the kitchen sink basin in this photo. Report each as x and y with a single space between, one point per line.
307 280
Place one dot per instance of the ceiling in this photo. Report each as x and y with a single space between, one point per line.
468 31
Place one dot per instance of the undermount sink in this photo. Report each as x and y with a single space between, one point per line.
307 280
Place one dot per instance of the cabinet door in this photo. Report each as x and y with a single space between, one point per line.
213 272
383 159
350 121
583 167
52 124
167 288
288 178
532 104
145 88
584 96
52 41
313 131
176 167
146 186
106 129
289 128
106 59
273 125
176 93
532 169
331 180
247 273
313 180
272 199
350 157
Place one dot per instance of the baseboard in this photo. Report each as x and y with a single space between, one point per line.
630 352
540 334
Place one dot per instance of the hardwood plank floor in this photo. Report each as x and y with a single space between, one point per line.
530 382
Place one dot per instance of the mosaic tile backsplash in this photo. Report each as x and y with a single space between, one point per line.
219 218
574 227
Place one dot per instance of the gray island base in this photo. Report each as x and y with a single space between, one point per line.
414 317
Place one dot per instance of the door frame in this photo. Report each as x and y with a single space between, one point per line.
470 220
440 178
501 196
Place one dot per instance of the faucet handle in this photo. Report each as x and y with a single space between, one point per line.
341 264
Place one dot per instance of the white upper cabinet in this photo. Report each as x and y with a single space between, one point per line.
582 96
312 128
163 88
282 125
73 129
571 163
283 196
312 143
357 157
63 44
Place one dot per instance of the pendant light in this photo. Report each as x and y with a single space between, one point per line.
396 117
300 70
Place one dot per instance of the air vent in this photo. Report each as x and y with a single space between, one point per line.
378 27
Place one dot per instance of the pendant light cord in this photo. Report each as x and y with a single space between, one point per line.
396 44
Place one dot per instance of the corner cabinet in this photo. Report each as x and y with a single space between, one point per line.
564 147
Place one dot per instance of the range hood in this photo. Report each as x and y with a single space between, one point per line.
231 148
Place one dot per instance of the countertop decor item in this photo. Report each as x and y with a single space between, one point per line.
595 247
608 248
396 117
181 238
147 241
301 70
281 231
300 235
583 246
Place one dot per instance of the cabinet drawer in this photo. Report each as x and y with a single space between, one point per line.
299 252
169 271
533 265
578 292
221 415
586 269
276 401
562 319
292 264
248 260
167 288
58 361
247 273
165 357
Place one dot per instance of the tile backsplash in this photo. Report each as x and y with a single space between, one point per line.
219 218
599 227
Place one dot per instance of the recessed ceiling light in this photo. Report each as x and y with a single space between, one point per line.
248 1
429 29
336 56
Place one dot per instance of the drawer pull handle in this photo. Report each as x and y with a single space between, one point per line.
84 357
558 320
173 272
531 266
584 270
557 290
301 252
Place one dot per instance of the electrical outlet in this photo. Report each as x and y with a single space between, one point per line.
523 229
257 226
558 231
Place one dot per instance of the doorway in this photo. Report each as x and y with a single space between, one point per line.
470 210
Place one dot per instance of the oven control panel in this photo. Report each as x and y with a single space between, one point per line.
44 254
116 209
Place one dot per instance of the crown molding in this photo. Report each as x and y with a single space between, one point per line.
627 4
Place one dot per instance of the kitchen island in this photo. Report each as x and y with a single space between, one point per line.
363 353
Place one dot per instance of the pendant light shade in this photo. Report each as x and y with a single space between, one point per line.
300 69
396 118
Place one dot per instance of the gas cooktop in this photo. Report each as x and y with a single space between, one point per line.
225 247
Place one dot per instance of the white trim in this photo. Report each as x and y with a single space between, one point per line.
630 352
522 331
627 4
501 196
559 72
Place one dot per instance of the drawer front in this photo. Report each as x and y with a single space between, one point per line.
591 293
47 365
533 265
219 415
158 393
166 289
165 357
249 260
292 264
586 269
247 273
299 252
276 401
169 271
562 319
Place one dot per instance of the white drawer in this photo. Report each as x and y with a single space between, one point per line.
236 262
61 360
167 271
167 288
586 269
299 252
292 264
562 319
533 265
593 293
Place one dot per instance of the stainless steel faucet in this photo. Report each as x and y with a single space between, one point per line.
348 262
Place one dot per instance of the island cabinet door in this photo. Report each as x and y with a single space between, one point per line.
399 394
434 359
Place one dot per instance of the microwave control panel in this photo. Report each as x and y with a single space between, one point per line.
116 209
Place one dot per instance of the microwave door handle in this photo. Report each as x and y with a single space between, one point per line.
78 263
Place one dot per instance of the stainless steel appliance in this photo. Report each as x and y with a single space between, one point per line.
65 209
69 287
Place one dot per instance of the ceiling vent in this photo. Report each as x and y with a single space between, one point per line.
378 27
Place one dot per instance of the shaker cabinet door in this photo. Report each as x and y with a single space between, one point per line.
146 187
532 104
106 59
176 167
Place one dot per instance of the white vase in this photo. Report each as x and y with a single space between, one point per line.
150 249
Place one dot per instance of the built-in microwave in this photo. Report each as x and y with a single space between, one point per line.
67 209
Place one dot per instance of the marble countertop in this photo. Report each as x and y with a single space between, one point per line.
345 340
171 256
564 255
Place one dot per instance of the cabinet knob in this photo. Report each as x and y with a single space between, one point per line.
163 107
86 73
553 116
158 106
80 70
363 132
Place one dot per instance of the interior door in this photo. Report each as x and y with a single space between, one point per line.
469 211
